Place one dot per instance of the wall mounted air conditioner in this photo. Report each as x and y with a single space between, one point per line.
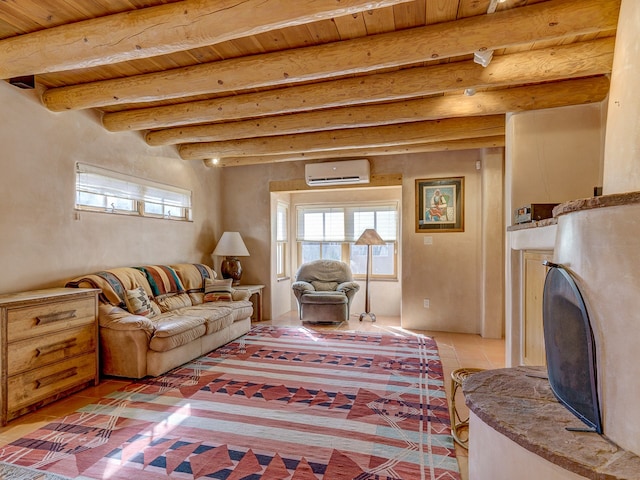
337 173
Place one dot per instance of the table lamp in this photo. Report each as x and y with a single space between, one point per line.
231 247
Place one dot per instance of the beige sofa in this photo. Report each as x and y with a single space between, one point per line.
178 325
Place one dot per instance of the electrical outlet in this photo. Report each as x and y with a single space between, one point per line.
426 303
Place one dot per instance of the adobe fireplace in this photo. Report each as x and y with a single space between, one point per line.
570 347
516 418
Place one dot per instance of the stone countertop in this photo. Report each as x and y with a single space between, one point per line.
536 223
612 200
519 404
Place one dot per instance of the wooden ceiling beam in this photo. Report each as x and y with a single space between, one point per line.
463 144
539 22
382 136
161 30
569 61
533 97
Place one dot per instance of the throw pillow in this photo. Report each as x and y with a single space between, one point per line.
138 302
218 290
324 286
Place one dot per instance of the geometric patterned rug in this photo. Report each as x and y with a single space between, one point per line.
278 403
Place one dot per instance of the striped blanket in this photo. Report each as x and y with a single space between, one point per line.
279 403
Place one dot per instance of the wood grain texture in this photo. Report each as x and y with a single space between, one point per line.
546 21
161 30
382 136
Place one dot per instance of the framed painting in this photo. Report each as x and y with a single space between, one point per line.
440 205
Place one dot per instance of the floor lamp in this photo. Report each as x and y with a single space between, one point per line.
369 237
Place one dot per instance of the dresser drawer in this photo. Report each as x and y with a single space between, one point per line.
46 318
36 385
38 351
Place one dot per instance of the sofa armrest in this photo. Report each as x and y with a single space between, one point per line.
301 287
348 287
239 295
116 318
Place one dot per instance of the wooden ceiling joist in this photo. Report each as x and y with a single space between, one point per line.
555 94
161 30
543 21
463 144
382 136
580 59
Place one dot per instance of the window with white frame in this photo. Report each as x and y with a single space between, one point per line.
102 190
282 238
329 232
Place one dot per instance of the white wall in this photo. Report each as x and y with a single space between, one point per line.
555 155
622 147
44 241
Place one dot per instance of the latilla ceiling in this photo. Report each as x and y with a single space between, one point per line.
257 81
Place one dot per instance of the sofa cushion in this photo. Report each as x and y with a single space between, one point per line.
324 297
167 303
218 290
324 286
164 344
139 303
241 309
216 316
173 323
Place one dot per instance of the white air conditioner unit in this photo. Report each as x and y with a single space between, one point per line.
337 173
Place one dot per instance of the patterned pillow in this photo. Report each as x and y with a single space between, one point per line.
217 290
139 303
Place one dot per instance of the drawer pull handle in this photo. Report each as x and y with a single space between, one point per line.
55 317
55 347
56 377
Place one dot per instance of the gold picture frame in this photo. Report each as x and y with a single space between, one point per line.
440 204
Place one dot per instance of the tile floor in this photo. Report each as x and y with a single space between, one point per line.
456 350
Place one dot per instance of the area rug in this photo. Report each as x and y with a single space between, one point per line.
279 403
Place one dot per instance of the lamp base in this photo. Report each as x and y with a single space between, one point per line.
371 315
231 268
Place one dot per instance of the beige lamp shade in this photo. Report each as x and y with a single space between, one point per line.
370 237
231 245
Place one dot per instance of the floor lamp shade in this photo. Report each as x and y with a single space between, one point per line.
231 246
369 237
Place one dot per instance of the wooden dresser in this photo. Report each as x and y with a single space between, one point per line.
49 347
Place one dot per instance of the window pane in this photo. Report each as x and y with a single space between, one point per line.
362 221
313 226
382 259
91 200
386 224
332 251
121 204
153 208
358 259
282 223
334 226
280 259
310 252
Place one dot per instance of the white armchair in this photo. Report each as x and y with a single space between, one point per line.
324 290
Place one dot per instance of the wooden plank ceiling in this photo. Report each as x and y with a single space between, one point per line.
259 81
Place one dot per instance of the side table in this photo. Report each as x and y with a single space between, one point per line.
255 291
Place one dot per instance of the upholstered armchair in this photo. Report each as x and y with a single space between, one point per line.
324 290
